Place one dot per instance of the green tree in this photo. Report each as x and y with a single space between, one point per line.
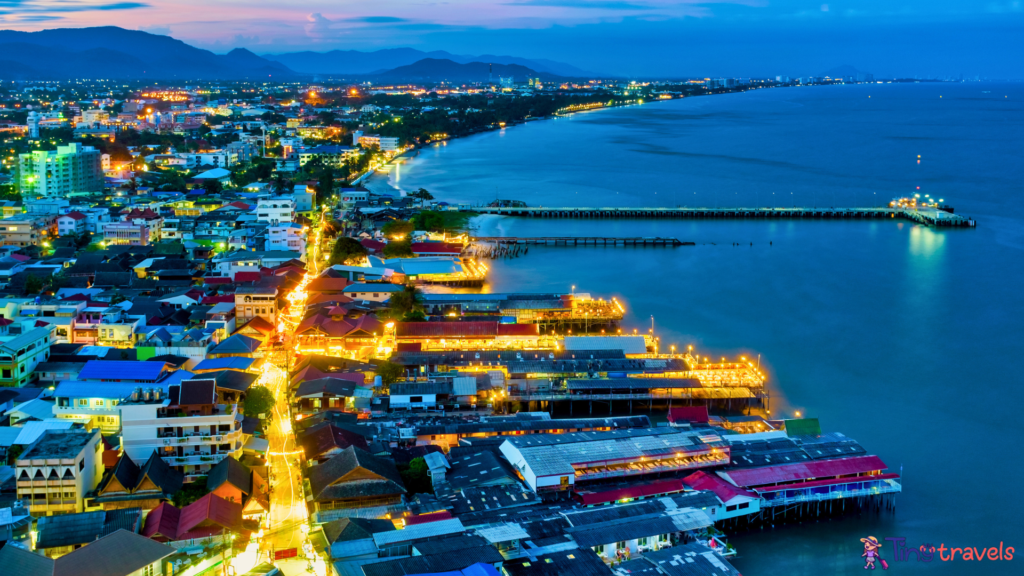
213 186
397 228
416 477
399 248
33 284
258 400
389 373
190 492
429 220
405 302
347 250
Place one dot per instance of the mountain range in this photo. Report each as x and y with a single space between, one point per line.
356 62
112 52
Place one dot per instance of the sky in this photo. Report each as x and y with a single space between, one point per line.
928 38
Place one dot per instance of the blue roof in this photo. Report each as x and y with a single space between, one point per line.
117 390
176 377
232 363
364 287
124 370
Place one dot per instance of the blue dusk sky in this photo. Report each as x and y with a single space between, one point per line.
626 37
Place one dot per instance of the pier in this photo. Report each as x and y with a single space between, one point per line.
927 216
584 241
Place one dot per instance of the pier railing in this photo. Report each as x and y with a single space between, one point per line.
885 487
932 217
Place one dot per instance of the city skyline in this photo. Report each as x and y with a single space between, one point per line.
627 38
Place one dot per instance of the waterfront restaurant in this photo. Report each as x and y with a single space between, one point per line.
555 463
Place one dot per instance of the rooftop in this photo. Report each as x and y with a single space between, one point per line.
55 444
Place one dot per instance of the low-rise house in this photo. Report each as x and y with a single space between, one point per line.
335 392
236 482
58 470
122 553
60 535
352 538
208 519
126 234
325 441
354 479
128 485
372 292
73 222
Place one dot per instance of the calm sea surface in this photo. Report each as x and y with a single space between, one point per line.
906 338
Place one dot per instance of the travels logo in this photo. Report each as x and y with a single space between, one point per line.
927 553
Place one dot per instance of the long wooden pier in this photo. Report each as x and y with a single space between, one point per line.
584 240
928 216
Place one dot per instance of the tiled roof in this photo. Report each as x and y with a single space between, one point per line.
119 553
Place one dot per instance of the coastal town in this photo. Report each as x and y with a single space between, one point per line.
224 352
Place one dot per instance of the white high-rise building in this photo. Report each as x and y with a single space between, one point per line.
33 124
71 168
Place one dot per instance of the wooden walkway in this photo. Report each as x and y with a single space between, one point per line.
584 240
930 217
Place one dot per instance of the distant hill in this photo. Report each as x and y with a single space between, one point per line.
112 52
444 70
356 62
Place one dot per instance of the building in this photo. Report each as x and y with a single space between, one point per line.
253 301
19 356
354 479
26 230
71 223
305 198
126 234
372 292
145 488
59 535
187 427
287 236
235 482
71 168
208 519
56 472
554 463
329 155
275 210
122 553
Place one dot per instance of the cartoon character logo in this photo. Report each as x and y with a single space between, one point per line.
870 555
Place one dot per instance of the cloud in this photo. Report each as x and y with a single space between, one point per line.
376 19
319 27
582 4
32 7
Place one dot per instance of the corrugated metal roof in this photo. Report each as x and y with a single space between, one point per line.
230 363
428 530
121 370
503 533
748 477
628 344
112 390
446 329
464 386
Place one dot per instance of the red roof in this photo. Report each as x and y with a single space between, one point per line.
425 518
721 488
75 215
698 414
247 276
518 330
436 248
765 475
409 346
218 299
830 482
238 204
21 257
110 458
210 511
669 486
482 329
217 280
327 284
372 245
162 522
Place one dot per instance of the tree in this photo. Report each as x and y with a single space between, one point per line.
416 477
190 492
389 373
399 249
422 195
397 228
258 400
213 186
33 284
325 185
347 250
429 221
402 303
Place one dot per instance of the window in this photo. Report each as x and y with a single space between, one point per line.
81 465
744 505
730 508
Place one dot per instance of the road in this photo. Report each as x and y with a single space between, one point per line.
288 523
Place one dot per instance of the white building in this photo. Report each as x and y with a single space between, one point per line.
275 209
71 168
71 223
217 158
289 236
186 426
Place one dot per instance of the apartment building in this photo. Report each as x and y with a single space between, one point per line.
186 426
290 236
71 223
126 234
56 472
275 209
71 168
19 356
253 301
26 230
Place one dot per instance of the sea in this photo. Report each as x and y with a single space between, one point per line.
904 337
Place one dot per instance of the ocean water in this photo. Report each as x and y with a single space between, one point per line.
904 337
